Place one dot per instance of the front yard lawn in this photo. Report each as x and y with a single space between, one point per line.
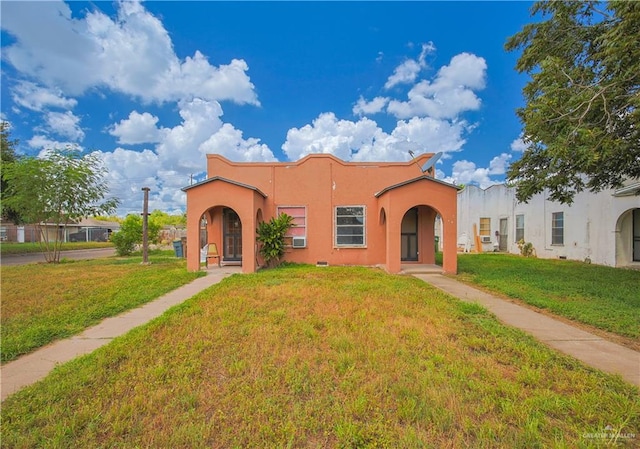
329 357
42 303
603 297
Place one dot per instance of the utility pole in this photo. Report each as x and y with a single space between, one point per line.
145 226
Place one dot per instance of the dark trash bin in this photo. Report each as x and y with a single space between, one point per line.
437 243
177 248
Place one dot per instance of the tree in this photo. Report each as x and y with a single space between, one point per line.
53 191
130 234
7 156
271 235
582 114
164 219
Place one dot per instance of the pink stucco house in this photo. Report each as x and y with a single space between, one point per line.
346 213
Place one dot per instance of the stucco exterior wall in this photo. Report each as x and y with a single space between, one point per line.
595 228
320 183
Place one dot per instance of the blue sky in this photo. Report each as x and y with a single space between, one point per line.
154 86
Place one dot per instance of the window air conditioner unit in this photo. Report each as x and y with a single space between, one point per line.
486 239
299 242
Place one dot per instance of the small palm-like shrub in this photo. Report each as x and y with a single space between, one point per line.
271 235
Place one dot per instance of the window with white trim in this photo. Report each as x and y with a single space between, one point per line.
350 224
485 226
298 229
519 227
557 228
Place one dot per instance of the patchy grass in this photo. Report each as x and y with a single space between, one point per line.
603 297
42 303
10 248
323 358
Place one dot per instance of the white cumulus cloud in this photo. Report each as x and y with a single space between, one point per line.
37 98
407 72
466 172
65 124
44 143
518 145
451 93
131 53
138 128
364 140
364 107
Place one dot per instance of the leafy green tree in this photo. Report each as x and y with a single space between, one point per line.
164 219
53 191
582 114
110 218
271 235
129 236
7 156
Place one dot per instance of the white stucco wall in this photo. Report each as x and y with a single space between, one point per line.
597 227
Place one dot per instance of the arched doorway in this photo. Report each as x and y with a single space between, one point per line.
628 238
409 236
231 235
418 235
636 235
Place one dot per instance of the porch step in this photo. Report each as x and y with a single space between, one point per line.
421 269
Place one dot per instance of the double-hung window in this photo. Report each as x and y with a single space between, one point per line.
350 222
519 227
296 236
557 228
485 226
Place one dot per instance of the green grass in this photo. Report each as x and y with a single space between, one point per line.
603 297
42 303
330 357
11 248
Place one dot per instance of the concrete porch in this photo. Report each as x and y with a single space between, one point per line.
414 268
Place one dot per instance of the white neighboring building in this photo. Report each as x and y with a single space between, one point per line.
603 228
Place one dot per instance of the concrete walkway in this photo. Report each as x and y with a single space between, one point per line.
589 348
32 367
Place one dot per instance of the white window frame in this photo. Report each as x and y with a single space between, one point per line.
299 215
337 227
557 232
484 230
519 228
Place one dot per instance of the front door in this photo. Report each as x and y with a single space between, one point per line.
409 236
232 235
636 235
504 232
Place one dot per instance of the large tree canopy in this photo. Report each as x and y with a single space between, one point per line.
7 156
582 114
53 191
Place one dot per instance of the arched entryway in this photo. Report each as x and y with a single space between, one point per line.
628 238
417 235
222 226
409 236
231 236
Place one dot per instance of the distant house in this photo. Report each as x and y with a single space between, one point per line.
345 213
90 230
602 228
86 230
10 232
